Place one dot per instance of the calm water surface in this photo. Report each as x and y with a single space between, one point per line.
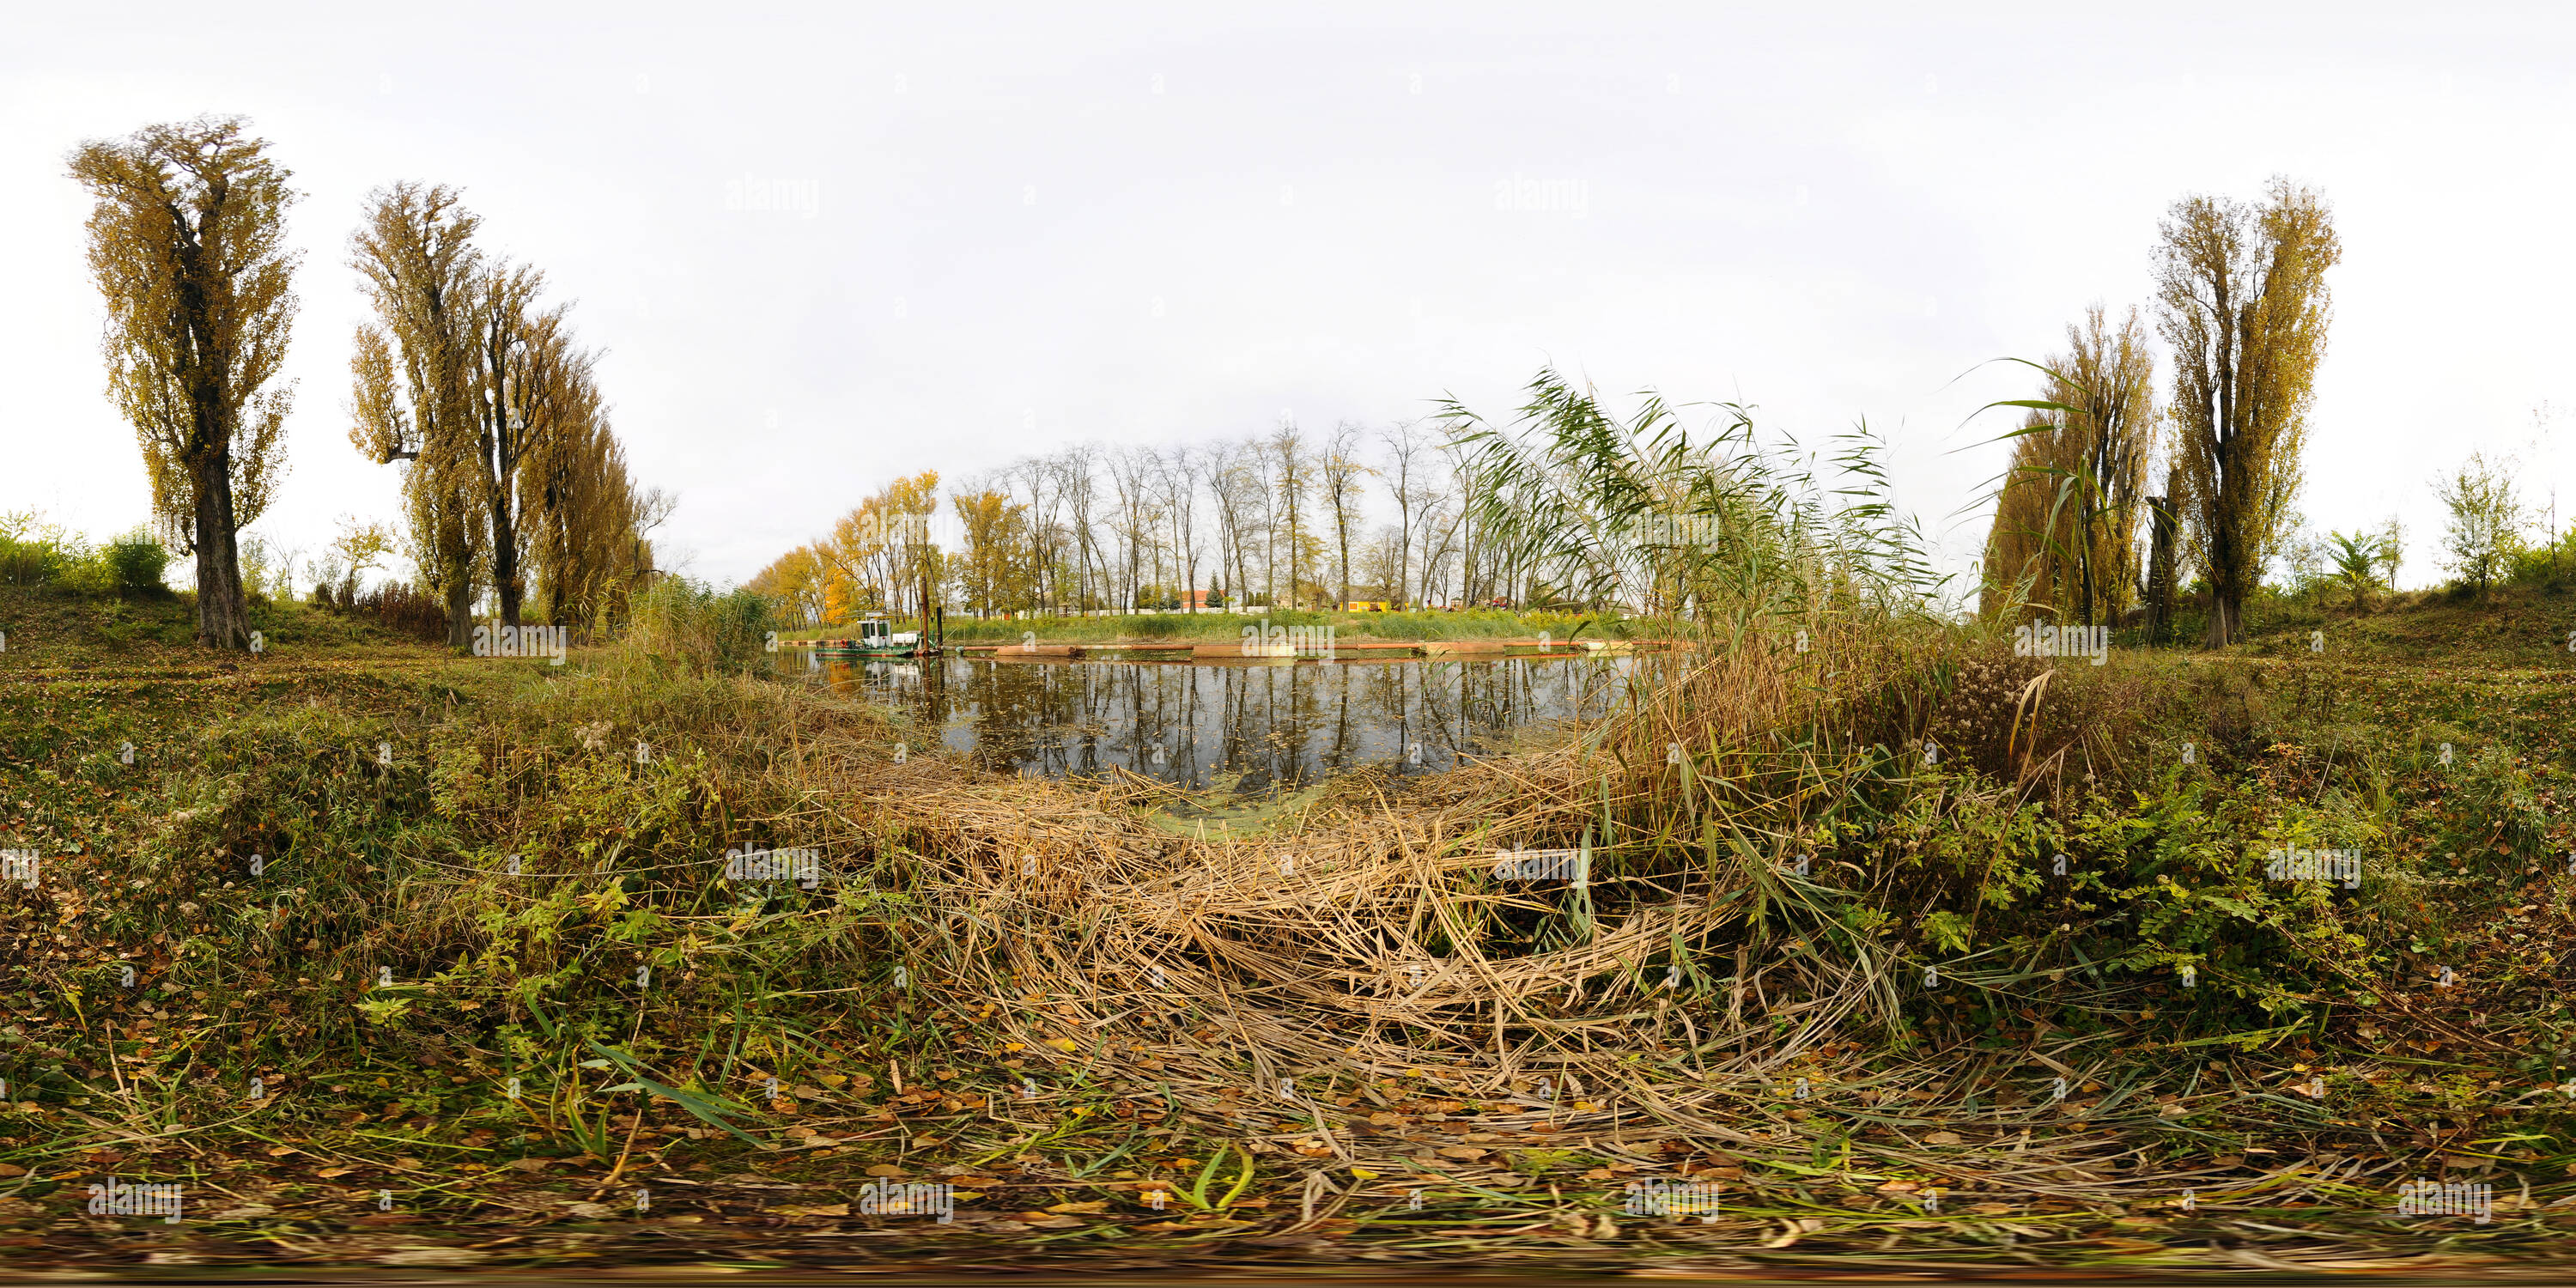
1255 727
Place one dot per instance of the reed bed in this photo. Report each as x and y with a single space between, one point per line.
1681 1010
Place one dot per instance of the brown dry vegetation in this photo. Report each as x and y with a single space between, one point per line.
1027 1052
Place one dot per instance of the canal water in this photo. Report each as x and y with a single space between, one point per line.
1259 727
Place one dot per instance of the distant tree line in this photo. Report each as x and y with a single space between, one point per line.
1284 519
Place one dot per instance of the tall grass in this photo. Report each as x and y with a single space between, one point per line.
1576 499
711 631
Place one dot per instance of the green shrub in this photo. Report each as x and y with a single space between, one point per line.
135 562
92 575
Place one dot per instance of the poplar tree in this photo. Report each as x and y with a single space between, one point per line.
513 480
187 245
416 387
2066 526
2244 305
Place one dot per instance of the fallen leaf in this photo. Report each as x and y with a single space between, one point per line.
1094 1205
828 1209
886 1169
1469 1152
329 1172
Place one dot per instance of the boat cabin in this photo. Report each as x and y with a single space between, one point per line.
878 633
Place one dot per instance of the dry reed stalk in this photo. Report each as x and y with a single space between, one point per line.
1365 954
1307 974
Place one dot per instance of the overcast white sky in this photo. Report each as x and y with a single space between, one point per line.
1828 212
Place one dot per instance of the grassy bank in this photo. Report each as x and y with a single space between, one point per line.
1031 992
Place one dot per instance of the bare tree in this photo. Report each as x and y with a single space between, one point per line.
1342 470
187 245
1131 473
1182 470
1460 535
1295 476
1075 481
1045 537
1264 480
1407 458
1441 521
1218 463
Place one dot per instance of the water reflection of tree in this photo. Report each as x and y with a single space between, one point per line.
1265 727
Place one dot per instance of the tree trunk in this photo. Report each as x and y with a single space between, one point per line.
222 617
2160 569
505 561
460 604
2227 584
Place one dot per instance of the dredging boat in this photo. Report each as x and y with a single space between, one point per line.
877 637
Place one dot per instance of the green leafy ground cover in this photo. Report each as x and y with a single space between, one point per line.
385 975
